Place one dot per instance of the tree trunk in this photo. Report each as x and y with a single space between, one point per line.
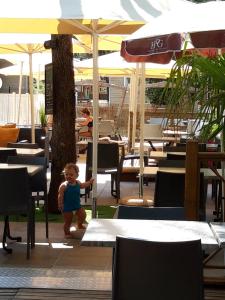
63 144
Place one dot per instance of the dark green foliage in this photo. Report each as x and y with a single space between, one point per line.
198 83
153 95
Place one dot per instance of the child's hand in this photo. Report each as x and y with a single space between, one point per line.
91 180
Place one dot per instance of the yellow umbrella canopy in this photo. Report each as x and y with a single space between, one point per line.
81 16
105 42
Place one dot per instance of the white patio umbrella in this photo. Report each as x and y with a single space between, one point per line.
21 68
82 17
28 45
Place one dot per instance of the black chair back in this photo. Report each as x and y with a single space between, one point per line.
15 200
169 189
38 181
108 156
150 213
175 156
171 163
180 148
5 153
40 135
157 270
109 162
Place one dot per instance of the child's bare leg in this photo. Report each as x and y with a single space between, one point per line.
80 216
68 217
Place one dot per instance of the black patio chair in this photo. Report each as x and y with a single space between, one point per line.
176 163
109 162
170 191
15 200
157 270
150 213
38 181
176 156
4 153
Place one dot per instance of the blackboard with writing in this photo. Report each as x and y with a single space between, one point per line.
48 89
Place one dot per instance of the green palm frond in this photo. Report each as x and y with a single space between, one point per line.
198 82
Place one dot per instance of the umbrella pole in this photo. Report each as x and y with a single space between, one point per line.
142 103
130 113
20 89
223 171
135 84
31 99
95 122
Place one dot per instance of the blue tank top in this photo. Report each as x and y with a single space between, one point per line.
71 197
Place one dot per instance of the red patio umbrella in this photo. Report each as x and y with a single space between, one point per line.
203 25
162 49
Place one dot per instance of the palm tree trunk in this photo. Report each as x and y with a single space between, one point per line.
63 129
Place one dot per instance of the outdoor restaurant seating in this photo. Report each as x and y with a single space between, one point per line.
8 134
38 181
4 153
16 200
152 130
150 213
176 163
170 191
106 128
108 163
157 270
177 148
40 136
176 156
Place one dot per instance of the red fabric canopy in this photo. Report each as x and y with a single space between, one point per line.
161 49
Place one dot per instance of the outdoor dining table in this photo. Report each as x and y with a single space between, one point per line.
152 171
175 133
162 139
103 232
163 154
26 151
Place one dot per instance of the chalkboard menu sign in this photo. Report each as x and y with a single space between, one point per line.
48 89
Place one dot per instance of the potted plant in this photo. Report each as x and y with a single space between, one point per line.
42 116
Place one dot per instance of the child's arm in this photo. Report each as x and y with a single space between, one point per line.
86 184
61 196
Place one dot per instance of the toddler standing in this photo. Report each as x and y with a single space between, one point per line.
69 198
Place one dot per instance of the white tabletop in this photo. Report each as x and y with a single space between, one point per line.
26 151
163 155
175 132
31 169
30 152
152 171
103 232
162 139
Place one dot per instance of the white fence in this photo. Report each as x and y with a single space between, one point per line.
14 109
